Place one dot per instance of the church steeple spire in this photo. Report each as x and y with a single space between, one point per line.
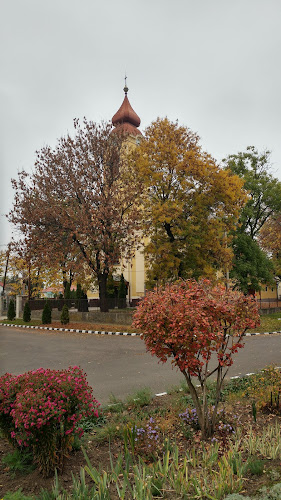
126 119
125 88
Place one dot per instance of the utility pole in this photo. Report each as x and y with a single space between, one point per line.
6 268
227 270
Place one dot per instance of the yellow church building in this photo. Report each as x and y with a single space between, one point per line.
127 121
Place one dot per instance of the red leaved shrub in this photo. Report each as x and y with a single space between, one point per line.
192 322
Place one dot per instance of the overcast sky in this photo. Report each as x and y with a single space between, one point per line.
212 64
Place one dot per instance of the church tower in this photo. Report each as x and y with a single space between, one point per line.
126 120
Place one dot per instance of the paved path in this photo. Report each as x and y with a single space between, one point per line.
117 365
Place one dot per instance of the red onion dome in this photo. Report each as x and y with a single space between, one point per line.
126 119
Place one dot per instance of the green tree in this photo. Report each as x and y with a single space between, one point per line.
251 266
81 299
122 292
47 314
122 289
110 287
26 313
64 319
264 190
78 291
67 291
11 311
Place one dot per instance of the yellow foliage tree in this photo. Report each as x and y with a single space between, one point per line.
190 204
29 271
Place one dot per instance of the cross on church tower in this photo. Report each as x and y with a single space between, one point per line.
126 88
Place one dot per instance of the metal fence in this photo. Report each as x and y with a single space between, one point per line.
82 305
268 304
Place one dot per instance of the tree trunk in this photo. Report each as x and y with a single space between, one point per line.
196 402
29 283
206 422
102 279
64 281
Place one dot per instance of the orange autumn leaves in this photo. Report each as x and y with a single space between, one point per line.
189 320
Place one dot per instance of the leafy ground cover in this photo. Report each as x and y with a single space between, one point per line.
148 447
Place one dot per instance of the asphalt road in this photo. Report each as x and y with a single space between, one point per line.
115 365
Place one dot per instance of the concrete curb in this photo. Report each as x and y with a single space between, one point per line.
96 332
230 378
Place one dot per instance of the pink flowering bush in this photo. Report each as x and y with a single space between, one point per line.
42 409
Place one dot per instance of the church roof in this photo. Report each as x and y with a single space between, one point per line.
126 119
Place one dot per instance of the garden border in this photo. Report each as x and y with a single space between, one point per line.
98 332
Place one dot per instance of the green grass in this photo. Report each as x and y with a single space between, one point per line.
269 323
17 495
19 461
140 398
33 322
255 466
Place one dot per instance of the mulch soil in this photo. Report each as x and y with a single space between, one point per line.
164 409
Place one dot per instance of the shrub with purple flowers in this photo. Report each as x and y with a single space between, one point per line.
41 410
190 418
223 430
145 440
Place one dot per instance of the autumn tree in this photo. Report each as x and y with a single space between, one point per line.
190 204
83 196
4 263
28 265
63 262
250 264
21 269
270 241
193 324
